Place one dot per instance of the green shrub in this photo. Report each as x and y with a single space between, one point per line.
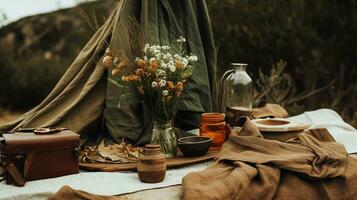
28 82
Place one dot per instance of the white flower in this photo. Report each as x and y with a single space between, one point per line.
160 72
193 58
163 65
116 60
154 84
145 58
172 68
162 83
167 56
146 48
152 60
165 93
158 56
157 51
181 39
184 62
165 47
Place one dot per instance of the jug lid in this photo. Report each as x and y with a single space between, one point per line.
239 64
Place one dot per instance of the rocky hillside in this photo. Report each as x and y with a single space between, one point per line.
35 51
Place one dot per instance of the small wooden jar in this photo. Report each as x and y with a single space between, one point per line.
152 164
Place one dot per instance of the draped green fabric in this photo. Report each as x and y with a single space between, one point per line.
85 102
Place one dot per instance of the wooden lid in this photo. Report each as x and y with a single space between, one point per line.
152 146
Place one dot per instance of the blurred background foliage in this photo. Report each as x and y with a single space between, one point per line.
316 39
301 53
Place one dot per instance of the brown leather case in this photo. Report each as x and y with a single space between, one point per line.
29 156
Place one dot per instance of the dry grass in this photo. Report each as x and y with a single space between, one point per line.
7 115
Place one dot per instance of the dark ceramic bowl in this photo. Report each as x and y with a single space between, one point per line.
194 145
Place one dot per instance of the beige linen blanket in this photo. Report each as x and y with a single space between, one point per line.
310 166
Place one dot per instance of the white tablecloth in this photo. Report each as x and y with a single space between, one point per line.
340 130
110 183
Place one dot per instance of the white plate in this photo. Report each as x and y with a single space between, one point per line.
279 125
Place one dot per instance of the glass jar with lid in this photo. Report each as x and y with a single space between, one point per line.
213 125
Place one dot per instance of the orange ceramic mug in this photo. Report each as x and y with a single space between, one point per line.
214 126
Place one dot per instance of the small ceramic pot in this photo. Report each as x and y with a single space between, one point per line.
152 164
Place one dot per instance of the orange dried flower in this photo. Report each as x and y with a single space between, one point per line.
120 65
170 85
141 63
153 66
115 72
134 78
179 86
125 62
108 61
125 78
178 64
139 72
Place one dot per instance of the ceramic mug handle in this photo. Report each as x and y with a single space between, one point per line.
227 130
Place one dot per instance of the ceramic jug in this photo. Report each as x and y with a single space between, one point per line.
236 93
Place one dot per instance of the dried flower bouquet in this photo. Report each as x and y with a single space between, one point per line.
159 78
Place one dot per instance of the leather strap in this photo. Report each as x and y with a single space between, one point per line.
28 162
2 172
16 176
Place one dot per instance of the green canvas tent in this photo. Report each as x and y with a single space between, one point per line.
85 102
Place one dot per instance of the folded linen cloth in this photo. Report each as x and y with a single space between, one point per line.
309 166
67 192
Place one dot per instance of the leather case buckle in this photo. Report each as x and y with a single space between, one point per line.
48 130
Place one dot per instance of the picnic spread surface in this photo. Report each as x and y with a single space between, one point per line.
106 183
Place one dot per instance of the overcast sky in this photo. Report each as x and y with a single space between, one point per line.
16 9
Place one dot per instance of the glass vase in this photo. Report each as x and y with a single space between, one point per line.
164 135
